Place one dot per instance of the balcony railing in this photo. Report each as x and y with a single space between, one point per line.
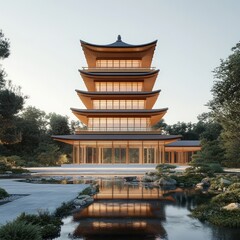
112 69
122 130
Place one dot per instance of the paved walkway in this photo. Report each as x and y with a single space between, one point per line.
42 196
96 169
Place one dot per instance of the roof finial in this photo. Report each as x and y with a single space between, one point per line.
119 39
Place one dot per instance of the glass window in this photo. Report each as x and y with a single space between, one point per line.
124 124
109 63
128 63
141 104
115 104
95 104
110 124
107 155
103 87
97 86
122 63
139 86
103 124
120 155
116 86
109 86
122 104
123 86
129 87
149 155
133 155
135 104
109 104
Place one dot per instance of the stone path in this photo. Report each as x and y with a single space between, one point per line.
41 197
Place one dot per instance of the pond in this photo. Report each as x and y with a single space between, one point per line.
125 210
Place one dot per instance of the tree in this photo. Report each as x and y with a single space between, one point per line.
4 53
187 130
58 125
11 101
225 104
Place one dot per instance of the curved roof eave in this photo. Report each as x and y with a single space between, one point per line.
118 44
118 111
117 93
119 73
131 137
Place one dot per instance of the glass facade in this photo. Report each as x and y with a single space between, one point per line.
118 104
118 124
119 86
117 152
123 63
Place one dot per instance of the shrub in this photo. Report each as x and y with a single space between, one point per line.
19 230
234 186
64 210
216 168
50 224
3 193
227 197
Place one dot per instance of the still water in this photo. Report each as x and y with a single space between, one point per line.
125 211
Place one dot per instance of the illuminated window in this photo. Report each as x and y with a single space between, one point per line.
123 63
118 104
118 124
118 86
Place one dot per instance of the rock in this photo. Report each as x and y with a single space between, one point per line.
232 206
205 182
82 200
225 181
165 181
131 179
199 185
147 178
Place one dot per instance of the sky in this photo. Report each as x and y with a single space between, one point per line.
46 54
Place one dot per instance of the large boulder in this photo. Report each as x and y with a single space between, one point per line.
165 182
225 181
147 178
82 200
232 206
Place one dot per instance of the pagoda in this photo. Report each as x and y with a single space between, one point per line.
119 113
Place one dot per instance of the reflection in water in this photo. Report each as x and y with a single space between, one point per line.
126 211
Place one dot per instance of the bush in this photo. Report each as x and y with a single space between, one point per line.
50 224
234 186
227 197
3 193
216 168
19 230
64 210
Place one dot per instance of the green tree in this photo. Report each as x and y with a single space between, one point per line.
225 104
11 101
58 124
187 130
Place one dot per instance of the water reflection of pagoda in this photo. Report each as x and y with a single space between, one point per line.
123 210
120 115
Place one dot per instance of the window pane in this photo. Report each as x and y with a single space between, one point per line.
109 87
122 104
122 63
135 104
133 155
116 86
103 87
109 104
97 86
107 155
115 104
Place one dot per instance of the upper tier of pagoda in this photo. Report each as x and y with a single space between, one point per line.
140 55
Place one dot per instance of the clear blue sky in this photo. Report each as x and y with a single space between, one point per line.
46 53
